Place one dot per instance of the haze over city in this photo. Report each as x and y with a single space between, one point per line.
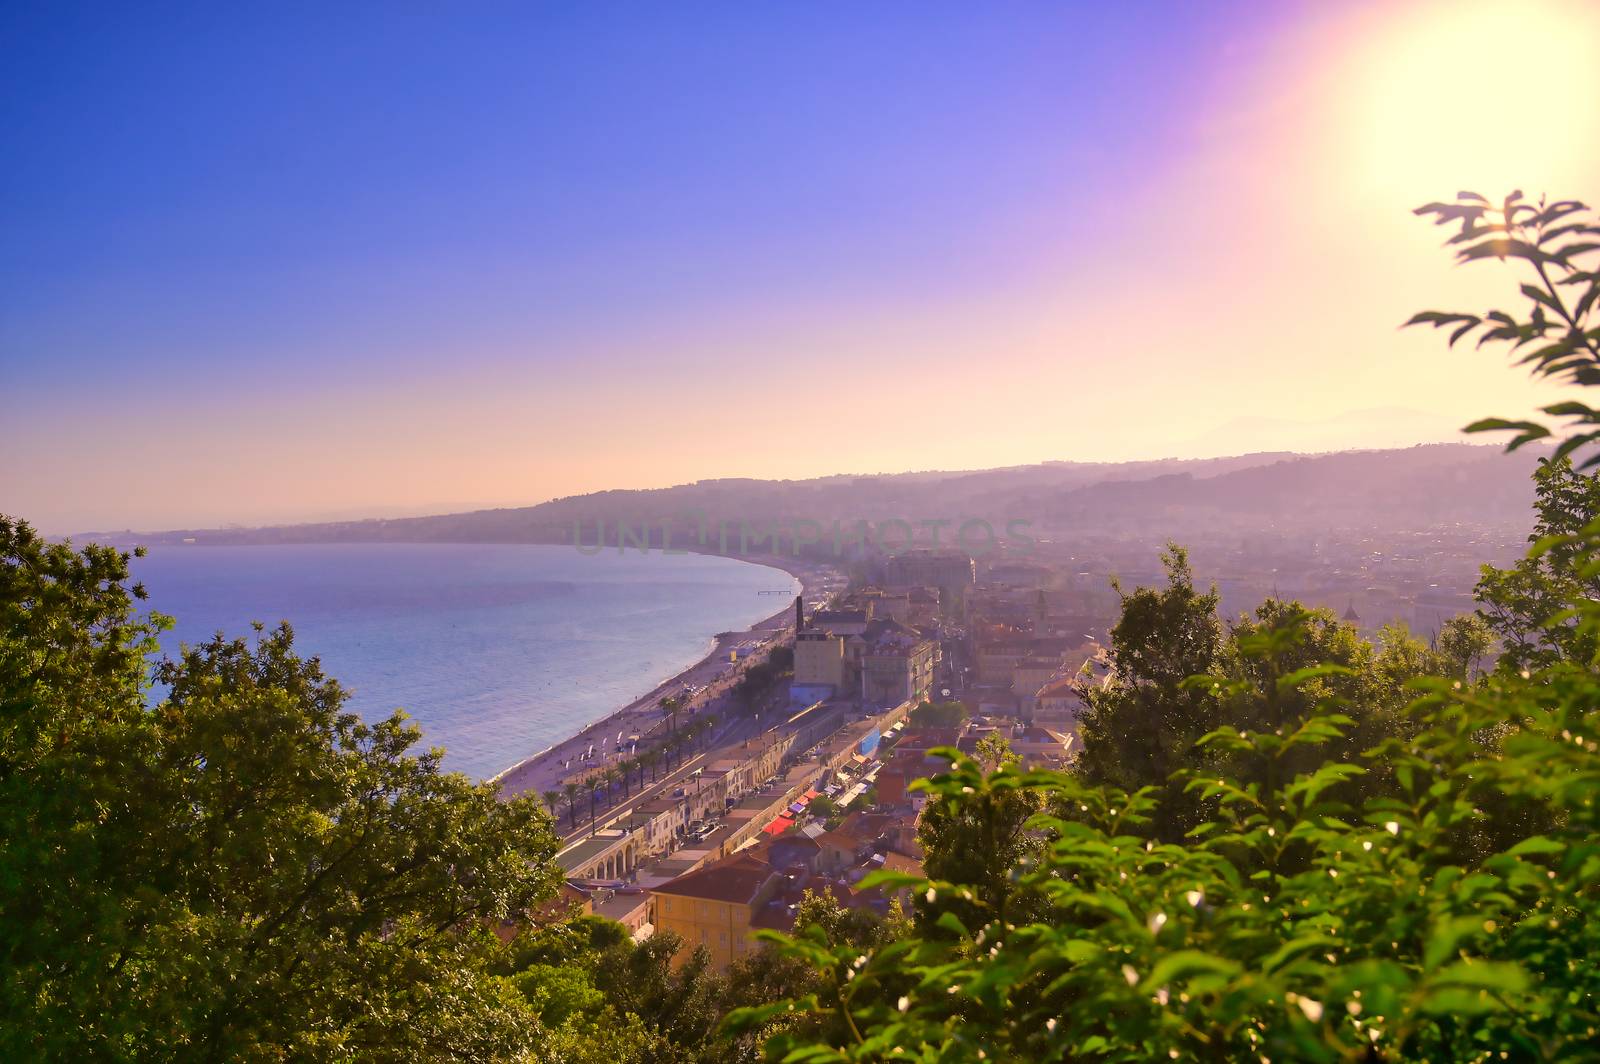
308 264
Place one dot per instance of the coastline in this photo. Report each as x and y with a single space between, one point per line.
545 770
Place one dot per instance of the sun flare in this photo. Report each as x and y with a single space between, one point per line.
1489 96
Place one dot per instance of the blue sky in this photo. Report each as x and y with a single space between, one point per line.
348 239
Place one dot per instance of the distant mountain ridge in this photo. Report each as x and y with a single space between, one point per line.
1425 484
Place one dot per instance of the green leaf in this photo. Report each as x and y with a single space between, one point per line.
1500 424
1445 937
1186 963
891 880
1538 845
1296 948
1300 676
1501 977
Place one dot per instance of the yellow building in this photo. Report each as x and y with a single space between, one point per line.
818 660
1059 701
713 906
998 661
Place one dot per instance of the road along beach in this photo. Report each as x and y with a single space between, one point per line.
591 750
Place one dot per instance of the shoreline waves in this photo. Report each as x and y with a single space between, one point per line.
544 770
495 650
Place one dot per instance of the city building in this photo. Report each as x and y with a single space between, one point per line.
1058 702
927 567
1028 676
897 664
713 906
819 665
842 622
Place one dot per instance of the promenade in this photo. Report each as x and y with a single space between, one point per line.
705 688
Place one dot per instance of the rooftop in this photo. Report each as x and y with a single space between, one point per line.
588 849
734 879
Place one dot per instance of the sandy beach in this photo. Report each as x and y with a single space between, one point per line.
712 676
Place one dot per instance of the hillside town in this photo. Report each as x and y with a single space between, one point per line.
802 780
728 841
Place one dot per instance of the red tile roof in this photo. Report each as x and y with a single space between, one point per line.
735 879
895 862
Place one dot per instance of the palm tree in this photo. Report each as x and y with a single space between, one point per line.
609 778
552 802
625 766
572 806
671 704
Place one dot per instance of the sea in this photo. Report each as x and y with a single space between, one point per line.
496 650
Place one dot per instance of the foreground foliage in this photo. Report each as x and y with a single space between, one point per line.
1556 334
1141 726
1284 843
243 870
1291 925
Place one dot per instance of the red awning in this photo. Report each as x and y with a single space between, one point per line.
813 793
778 826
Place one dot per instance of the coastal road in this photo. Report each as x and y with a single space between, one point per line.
730 732
552 768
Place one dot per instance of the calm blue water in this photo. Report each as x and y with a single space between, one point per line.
497 651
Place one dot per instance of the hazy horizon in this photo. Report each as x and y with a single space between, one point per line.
260 269
1305 438
448 508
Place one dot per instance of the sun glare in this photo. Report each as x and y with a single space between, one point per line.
1488 96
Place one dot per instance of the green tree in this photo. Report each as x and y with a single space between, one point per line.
1331 666
1525 605
775 975
939 715
558 970
978 840
670 705
1557 333
1463 644
1140 726
572 790
680 1004
822 807
1143 723
1291 926
244 869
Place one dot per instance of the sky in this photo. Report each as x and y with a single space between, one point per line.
265 263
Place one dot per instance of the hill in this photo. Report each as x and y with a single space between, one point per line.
1427 485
